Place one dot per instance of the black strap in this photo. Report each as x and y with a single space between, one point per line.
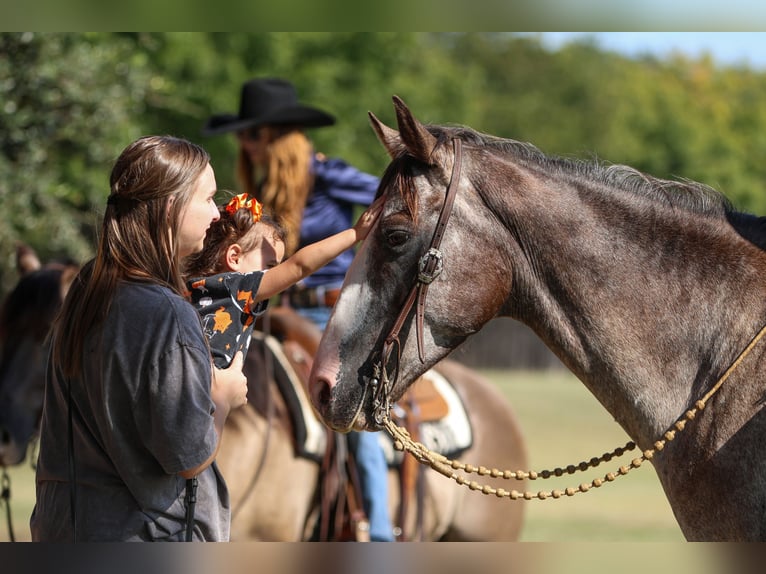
191 501
191 483
5 497
72 468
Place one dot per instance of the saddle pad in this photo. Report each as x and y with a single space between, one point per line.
449 435
310 434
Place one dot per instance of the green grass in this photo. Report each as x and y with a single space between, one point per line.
563 424
22 499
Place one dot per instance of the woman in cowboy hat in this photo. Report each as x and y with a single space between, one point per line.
312 197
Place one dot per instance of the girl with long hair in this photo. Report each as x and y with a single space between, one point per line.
134 409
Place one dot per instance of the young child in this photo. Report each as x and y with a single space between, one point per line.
240 268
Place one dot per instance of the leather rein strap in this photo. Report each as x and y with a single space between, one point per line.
429 268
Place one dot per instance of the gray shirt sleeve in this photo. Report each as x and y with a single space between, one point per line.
174 409
176 423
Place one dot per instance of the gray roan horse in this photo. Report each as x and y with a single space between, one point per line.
648 290
274 489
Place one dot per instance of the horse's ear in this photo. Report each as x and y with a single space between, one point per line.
26 259
418 140
388 137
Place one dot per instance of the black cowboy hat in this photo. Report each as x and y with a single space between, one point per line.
267 101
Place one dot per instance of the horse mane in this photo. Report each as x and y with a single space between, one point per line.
683 194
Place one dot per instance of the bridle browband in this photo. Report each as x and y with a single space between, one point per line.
429 268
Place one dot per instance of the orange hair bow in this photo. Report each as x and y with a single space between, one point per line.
244 201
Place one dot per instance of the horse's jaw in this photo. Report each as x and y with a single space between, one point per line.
348 397
347 387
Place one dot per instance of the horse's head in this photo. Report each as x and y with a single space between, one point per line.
25 318
410 296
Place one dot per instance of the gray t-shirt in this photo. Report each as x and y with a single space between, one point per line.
147 415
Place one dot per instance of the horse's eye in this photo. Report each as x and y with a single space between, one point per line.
397 237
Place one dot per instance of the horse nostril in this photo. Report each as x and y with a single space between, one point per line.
321 394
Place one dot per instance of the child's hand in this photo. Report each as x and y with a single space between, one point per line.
368 218
229 387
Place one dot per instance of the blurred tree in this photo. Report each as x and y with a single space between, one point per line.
66 108
69 103
347 74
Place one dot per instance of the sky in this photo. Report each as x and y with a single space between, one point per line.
728 48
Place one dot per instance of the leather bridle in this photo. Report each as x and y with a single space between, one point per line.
429 268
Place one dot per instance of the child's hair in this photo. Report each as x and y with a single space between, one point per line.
229 229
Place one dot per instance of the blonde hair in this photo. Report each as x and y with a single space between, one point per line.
137 239
287 179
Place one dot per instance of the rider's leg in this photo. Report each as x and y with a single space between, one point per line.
373 476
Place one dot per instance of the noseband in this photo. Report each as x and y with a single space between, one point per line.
429 268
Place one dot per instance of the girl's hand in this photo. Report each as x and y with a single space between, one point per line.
230 385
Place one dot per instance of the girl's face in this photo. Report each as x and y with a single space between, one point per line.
200 212
267 253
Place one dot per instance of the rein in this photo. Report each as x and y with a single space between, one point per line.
447 467
5 498
430 266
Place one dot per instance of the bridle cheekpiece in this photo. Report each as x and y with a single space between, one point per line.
429 268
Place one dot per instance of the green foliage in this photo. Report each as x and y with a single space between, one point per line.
69 103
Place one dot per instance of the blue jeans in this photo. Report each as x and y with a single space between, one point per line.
373 476
370 461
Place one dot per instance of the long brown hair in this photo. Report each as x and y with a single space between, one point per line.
137 240
286 182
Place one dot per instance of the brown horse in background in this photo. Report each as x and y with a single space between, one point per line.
277 493
25 317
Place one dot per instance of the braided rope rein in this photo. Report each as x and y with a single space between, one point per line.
447 467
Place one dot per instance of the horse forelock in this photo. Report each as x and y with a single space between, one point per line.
399 179
399 176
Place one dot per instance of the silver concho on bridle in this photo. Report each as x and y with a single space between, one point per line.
428 274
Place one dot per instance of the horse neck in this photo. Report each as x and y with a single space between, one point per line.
646 305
